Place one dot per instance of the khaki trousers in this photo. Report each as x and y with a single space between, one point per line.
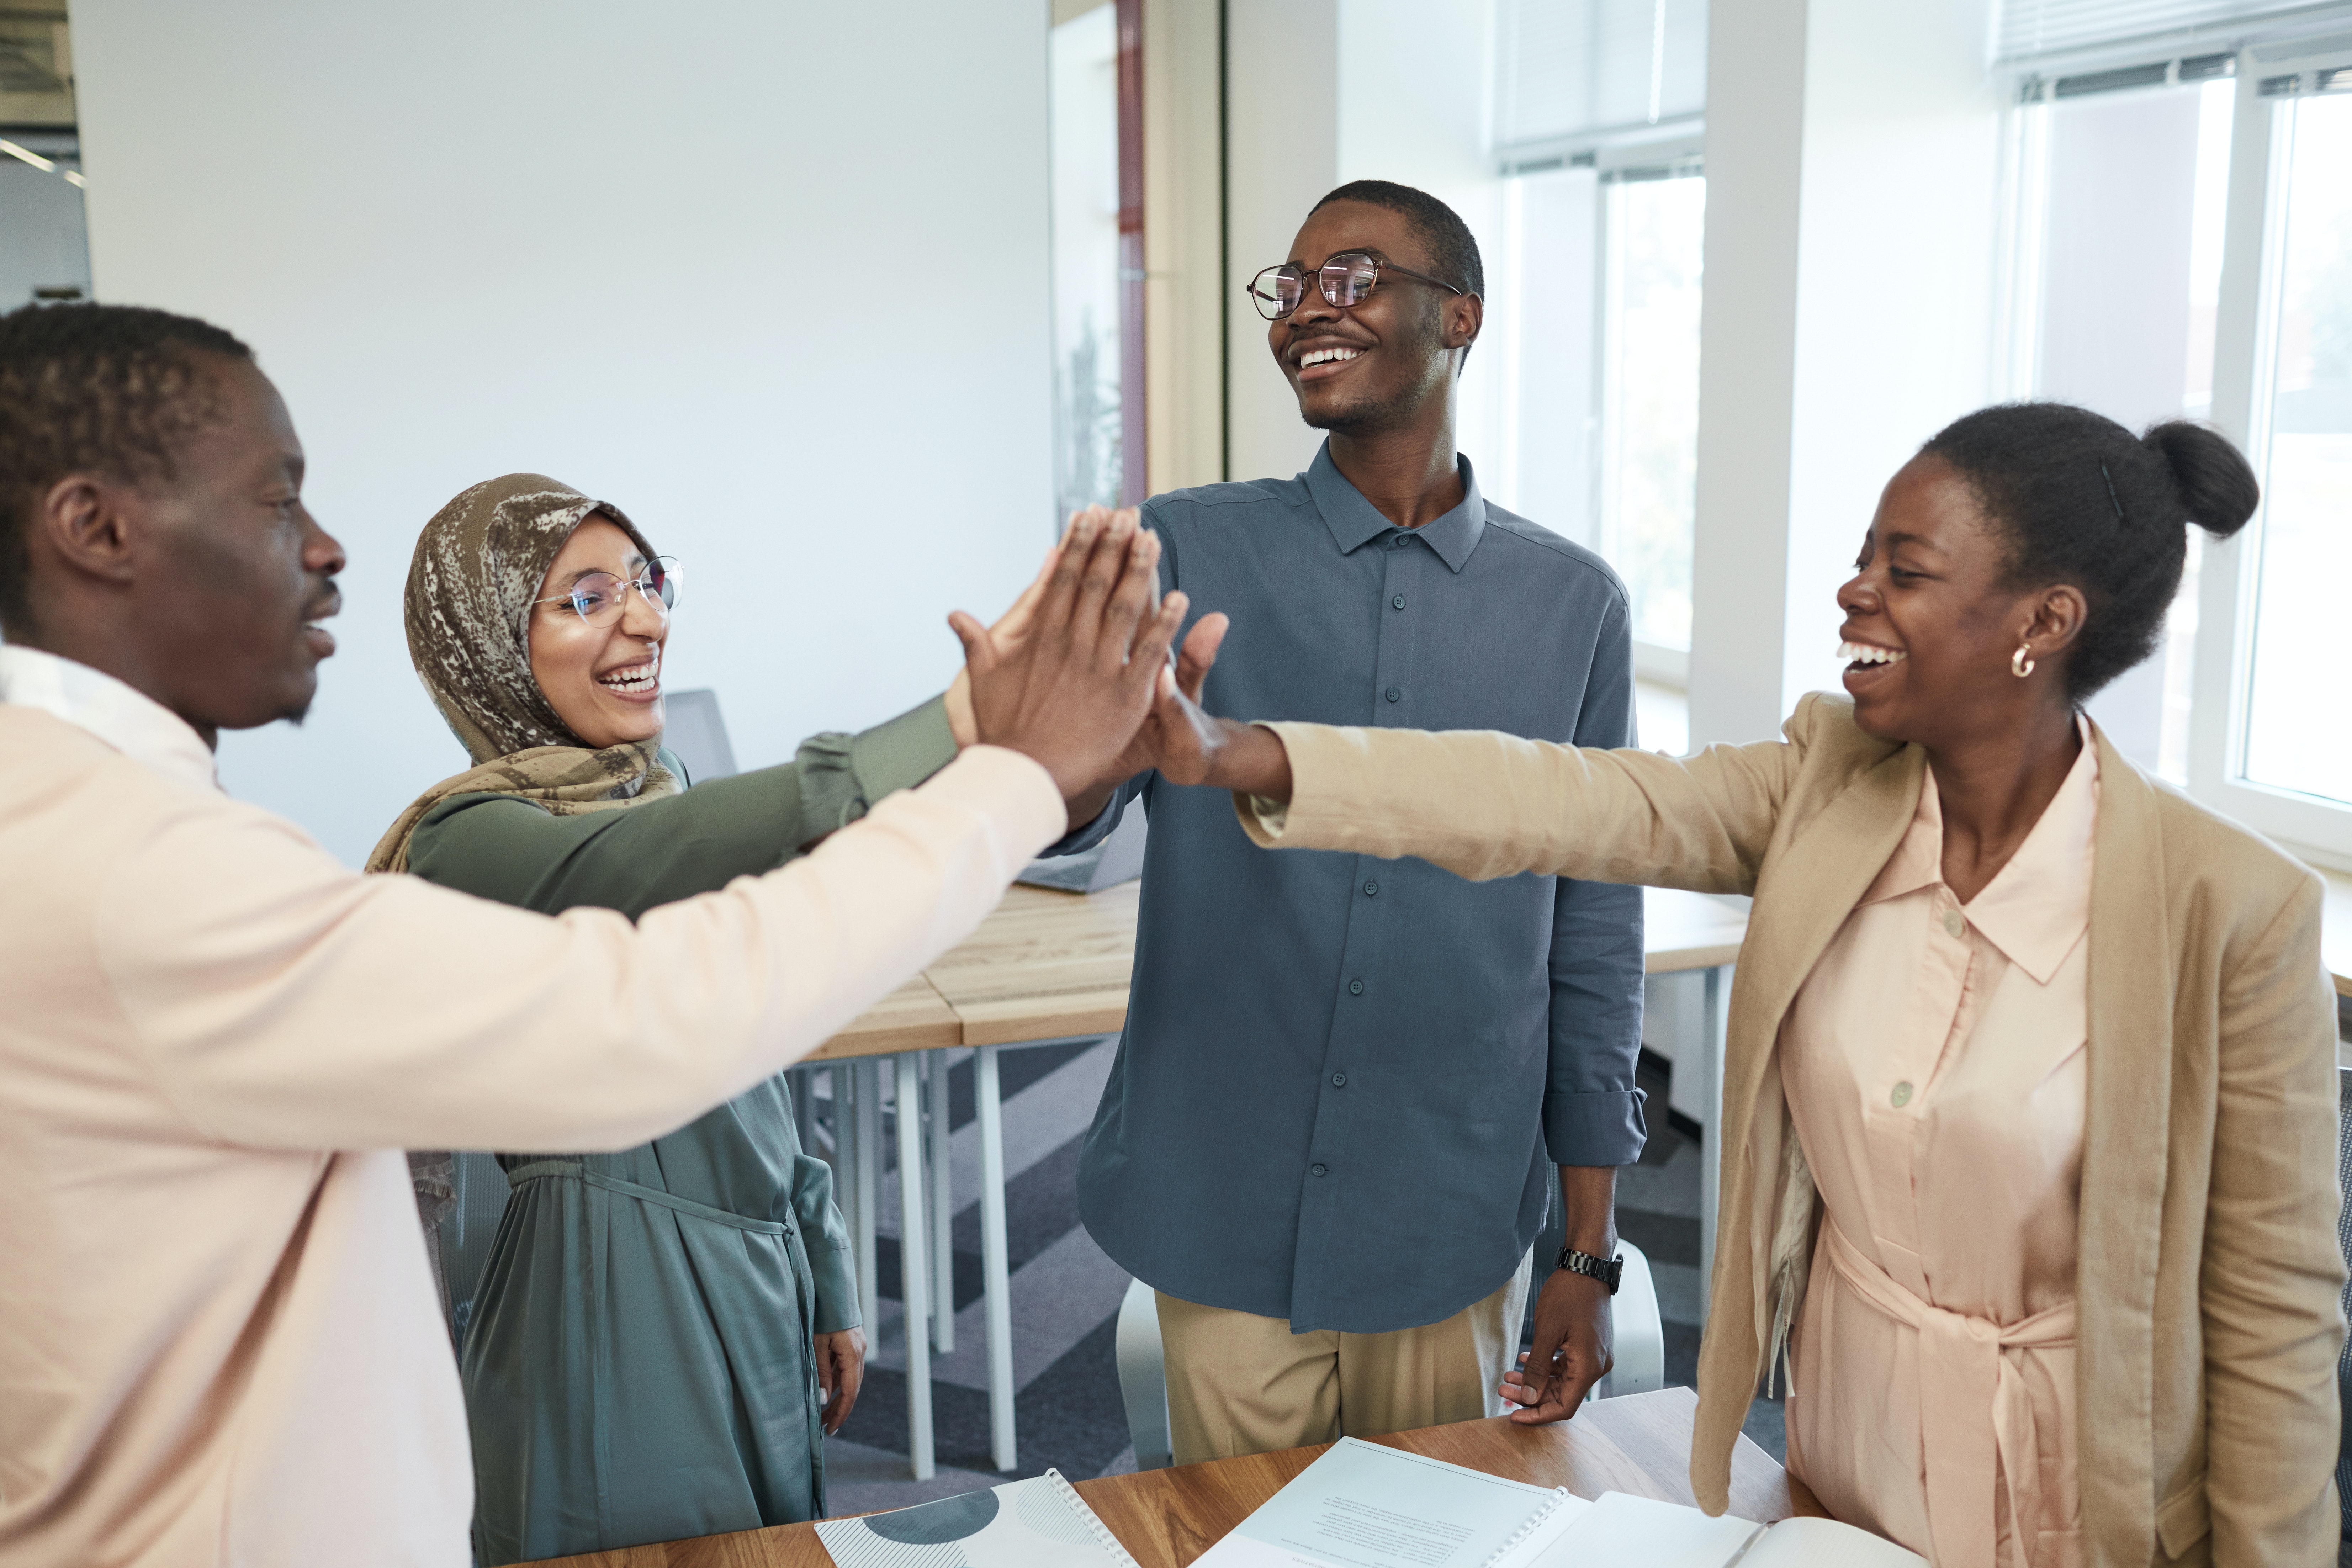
1239 1384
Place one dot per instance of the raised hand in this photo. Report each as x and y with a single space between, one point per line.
1078 684
1008 630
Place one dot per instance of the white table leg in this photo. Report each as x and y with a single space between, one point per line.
1711 1181
802 1082
865 1113
942 1203
912 1246
996 1283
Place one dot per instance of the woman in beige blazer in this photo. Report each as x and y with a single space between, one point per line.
2068 1290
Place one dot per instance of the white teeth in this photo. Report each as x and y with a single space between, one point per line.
1318 356
1866 653
636 678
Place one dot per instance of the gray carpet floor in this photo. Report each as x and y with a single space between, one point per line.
1066 1293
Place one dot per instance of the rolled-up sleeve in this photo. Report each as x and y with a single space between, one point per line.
824 1233
1592 1111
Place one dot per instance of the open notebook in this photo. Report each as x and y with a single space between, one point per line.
1361 1505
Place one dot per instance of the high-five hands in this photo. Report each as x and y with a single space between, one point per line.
1088 665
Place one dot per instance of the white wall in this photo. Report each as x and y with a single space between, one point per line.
1851 201
1414 100
1282 157
763 276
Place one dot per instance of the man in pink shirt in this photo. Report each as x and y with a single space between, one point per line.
218 1340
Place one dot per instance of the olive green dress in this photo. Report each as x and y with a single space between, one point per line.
638 1363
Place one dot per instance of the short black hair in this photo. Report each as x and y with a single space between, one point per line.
107 389
2078 498
1452 249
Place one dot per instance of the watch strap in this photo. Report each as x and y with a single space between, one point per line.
1608 1271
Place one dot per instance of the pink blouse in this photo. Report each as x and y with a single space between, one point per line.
1934 1067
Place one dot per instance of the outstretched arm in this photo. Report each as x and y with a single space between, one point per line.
1482 804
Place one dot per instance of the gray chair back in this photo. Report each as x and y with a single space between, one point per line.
696 735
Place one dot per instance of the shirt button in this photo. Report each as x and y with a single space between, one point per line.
1393 694
1355 988
1320 1170
1372 889
1901 1097
1397 603
1339 1080
1953 923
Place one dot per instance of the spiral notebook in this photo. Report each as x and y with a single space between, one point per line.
1364 1506
1036 1523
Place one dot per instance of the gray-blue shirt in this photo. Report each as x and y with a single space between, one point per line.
1344 1080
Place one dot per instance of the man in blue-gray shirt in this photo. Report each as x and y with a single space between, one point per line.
1348 1086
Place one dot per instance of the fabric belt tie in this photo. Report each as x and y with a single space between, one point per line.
1961 1371
540 1168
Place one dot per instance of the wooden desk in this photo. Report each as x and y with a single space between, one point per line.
1682 931
1639 1444
1046 965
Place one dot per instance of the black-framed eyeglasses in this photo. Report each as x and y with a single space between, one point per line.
598 596
1347 278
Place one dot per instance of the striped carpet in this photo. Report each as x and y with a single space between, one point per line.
1066 1293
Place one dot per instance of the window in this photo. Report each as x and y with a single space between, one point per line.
2272 739
1089 459
2183 247
2117 282
1597 106
1654 226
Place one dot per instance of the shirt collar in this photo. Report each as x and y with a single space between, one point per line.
2036 907
124 718
1355 521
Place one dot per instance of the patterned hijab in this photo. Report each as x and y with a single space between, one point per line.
471 586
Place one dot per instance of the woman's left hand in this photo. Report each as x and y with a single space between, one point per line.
840 1369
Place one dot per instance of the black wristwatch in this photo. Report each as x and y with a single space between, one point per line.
1608 1272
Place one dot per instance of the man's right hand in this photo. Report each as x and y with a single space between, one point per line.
1084 677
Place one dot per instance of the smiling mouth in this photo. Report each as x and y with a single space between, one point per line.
637 679
1318 363
1863 657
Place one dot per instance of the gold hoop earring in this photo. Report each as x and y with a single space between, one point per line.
2019 665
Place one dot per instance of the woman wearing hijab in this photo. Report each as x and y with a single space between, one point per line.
661 1337
2029 1100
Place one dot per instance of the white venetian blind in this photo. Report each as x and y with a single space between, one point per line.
1566 68
2032 27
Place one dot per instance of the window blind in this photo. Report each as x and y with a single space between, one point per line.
2030 29
1568 68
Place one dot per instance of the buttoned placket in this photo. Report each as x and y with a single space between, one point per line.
1944 1003
1406 565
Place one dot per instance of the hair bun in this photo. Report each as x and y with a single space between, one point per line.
2217 485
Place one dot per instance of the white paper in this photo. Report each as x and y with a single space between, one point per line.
1826 1544
1622 1530
1364 1506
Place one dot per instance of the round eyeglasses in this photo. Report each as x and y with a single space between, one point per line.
1347 278
598 596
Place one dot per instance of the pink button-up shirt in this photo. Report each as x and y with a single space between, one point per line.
1934 1065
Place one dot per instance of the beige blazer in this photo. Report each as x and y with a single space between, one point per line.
2210 1276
